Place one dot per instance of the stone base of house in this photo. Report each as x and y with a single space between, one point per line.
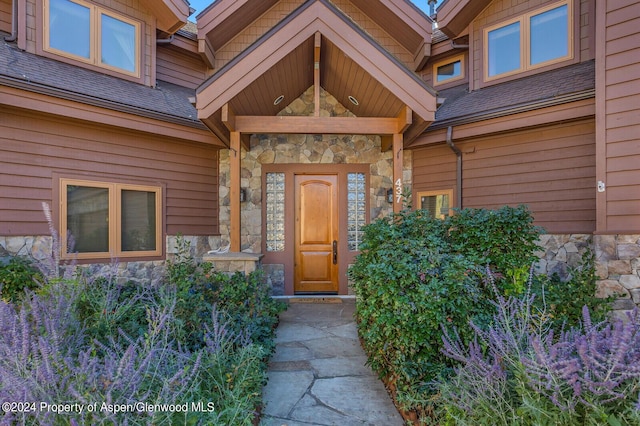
617 261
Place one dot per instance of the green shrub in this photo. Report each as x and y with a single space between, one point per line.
408 282
503 239
417 276
245 299
16 276
562 300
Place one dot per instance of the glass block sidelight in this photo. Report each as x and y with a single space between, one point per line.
356 209
275 211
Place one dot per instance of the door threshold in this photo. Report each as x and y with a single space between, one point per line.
311 298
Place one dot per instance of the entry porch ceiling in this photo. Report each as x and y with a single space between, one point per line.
350 65
341 76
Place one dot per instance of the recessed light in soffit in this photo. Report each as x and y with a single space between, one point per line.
353 100
278 99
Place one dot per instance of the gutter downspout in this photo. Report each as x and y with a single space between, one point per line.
14 23
458 153
163 40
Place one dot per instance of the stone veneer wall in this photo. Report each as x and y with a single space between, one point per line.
38 248
618 268
617 261
305 149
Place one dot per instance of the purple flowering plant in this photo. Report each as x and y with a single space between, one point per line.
84 340
519 370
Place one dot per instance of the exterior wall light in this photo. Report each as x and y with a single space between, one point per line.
243 195
390 195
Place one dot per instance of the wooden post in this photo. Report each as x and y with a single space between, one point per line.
398 184
234 191
316 75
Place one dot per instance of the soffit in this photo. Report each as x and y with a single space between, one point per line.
171 15
456 15
339 75
282 63
407 24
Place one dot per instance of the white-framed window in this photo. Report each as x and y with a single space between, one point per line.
91 34
439 203
449 69
535 39
104 219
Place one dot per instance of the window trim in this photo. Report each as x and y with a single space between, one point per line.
115 216
525 38
95 25
447 61
431 193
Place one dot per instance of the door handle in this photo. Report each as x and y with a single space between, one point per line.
335 252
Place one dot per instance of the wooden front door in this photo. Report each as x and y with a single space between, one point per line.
316 239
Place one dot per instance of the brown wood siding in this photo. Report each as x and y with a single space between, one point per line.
5 15
550 169
35 148
434 168
621 116
179 68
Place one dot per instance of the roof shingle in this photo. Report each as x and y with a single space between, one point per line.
39 73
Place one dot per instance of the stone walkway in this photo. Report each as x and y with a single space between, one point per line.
318 375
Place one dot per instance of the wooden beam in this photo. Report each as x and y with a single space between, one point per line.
234 191
387 142
206 52
398 165
404 119
317 125
421 56
316 74
228 117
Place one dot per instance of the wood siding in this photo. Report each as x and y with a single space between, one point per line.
501 10
36 148
5 15
551 169
618 94
177 67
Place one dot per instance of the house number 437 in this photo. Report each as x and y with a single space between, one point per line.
398 190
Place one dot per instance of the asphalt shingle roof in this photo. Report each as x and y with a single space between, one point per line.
460 103
165 101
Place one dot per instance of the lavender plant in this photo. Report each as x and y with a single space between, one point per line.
91 341
517 371
591 372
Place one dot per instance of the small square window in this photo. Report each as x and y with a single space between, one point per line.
439 204
449 69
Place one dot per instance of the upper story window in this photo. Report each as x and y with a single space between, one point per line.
535 39
92 34
448 70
